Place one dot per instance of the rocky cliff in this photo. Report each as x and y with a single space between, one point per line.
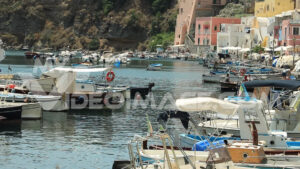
107 24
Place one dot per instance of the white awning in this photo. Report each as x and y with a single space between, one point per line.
206 104
76 70
268 49
245 50
280 48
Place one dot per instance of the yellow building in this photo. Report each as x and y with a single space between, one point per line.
270 8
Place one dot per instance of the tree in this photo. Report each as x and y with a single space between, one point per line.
94 44
107 6
258 49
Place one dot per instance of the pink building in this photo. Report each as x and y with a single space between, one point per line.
189 10
290 33
207 28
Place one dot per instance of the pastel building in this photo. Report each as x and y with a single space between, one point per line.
233 35
188 10
270 8
284 33
207 28
290 33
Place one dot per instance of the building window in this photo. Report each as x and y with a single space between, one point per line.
198 41
268 8
206 31
285 32
216 28
295 31
199 27
276 32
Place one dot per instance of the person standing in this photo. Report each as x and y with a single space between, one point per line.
227 79
9 69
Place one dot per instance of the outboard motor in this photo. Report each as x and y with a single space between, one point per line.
150 85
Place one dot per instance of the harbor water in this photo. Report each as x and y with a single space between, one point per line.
94 139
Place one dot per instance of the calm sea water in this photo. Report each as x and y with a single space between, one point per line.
84 139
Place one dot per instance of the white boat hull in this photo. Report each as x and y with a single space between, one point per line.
32 111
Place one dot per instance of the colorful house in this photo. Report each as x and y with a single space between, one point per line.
270 8
206 29
290 35
189 10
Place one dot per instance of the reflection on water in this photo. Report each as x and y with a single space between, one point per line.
84 139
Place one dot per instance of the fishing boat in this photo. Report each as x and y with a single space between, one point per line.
82 64
30 111
270 144
46 102
188 141
31 55
10 112
168 157
220 78
155 67
282 108
246 110
82 87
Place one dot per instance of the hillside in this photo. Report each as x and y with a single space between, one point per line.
92 24
238 8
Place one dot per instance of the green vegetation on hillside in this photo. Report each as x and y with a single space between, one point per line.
164 39
94 44
232 10
238 8
93 24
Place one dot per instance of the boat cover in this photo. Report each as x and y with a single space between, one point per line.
156 65
59 71
288 84
206 104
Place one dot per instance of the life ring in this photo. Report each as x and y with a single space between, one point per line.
243 72
110 76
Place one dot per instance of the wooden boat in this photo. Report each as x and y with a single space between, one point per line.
217 158
220 78
30 55
229 86
30 111
189 140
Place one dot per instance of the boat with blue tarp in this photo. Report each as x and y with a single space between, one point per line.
155 67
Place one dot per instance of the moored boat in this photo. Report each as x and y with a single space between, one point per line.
155 67
10 112
30 111
30 55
